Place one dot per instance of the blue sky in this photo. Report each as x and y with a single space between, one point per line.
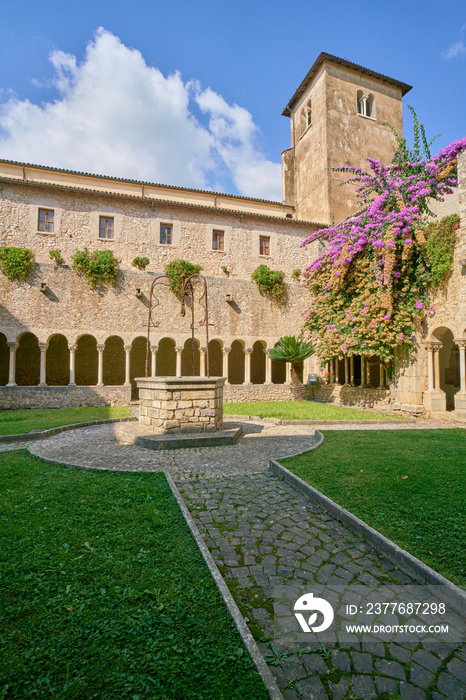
192 93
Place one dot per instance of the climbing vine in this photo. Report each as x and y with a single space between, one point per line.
98 267
270 282
16 263
175 269
370 288
440 246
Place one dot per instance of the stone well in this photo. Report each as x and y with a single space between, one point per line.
181 404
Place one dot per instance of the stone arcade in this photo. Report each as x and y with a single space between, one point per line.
62 343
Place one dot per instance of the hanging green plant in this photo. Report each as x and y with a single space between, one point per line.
16 263
141 263
440 246
270 282
98 267
57 256
175 269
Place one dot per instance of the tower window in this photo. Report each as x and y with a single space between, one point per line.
306 117
365 104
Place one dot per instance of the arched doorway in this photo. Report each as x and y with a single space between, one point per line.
187 359
236 363
86 361
4 360
215 358
166 358
114 361
258 360
28 360
137 367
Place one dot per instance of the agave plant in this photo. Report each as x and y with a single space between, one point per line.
293 349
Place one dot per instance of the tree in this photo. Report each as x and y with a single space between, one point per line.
293 349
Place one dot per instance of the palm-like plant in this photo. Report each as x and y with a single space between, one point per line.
293 349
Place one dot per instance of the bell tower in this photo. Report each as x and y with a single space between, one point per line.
337 117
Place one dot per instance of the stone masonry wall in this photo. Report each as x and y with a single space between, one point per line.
62 397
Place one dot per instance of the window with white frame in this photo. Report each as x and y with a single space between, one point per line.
365 104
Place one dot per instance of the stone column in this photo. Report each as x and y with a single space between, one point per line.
153 353
100 365
381 376
226 352
346 371
436 349
430 367
460 396
330 369
288 372
72 347
268 369
202 368
363 371
337 371
179 350
127 365
352 370
12 368
43 350
247 368
461 343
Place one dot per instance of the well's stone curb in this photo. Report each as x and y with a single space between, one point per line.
44 434
405 561
241 626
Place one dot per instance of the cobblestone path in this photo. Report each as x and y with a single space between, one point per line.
263 535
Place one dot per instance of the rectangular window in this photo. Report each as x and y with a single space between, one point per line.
166 234
46 220
218 240
106 227
264 245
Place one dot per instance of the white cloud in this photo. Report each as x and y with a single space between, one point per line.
455 50
116 115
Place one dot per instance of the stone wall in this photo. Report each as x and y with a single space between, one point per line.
137 231
15 397
361 397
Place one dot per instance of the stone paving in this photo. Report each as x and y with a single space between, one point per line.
264 535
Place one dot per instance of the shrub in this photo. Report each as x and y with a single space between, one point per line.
16 263
99 267
270 282
175 269
296 274
57 256
141 263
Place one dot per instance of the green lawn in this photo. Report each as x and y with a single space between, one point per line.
303 410
105 594
15 422
365 472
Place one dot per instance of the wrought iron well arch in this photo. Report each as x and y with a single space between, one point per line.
186 292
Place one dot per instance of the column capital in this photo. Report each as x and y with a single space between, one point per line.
72 347
128 348
434 345
100 347
12 344
248 351
226 350
42 346
460 342
179 348
204 350
154 348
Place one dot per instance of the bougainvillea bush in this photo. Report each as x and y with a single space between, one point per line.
370 288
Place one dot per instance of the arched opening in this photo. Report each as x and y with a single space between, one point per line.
360 102
236 363
278 371
86 361
166 358
28 361
258 363
370 106
215 359
340 371
114 361
4 360
357 370
449 361
188 356
57 361
137 366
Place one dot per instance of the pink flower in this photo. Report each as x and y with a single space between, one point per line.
386 317
419 304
